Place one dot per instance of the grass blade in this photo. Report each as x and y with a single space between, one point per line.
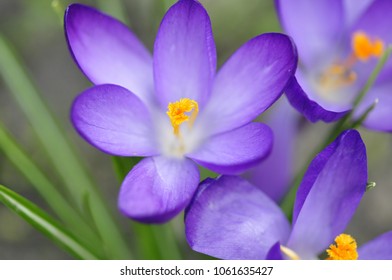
60 152
45 188
44 223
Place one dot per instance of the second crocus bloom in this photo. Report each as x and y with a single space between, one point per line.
172 108
231 219
339 43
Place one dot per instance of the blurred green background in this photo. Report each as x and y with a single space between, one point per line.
34 28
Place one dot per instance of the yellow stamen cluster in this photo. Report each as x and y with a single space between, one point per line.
337 76
341 73
176 112
345 248
364 47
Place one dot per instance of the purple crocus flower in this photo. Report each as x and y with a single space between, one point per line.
339 43
171 107
231 219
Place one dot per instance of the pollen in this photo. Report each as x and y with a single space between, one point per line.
345 248
177 113
341 74
365 48
337 76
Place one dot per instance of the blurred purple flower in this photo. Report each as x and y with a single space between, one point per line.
339 43
139 103
274 175
231 219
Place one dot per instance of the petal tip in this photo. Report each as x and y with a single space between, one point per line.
157 189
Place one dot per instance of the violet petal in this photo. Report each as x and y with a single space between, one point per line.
354 9
184 54
158 188
379 248
107 51
309 108
333 197
235 151
275 174
114 120
231 219
252 79
275 253
375 22
382 110
316 26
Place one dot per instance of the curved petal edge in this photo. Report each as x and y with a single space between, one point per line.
157 189
309 108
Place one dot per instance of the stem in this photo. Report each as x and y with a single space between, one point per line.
167 243
363 117
146 242
287 203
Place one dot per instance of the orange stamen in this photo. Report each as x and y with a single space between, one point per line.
365 48
345 248
176 112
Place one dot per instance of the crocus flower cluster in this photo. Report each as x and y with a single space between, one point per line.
231 219
172 108
339 43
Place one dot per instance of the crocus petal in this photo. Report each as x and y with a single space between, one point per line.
184 54
114 120
333 197
316 26
382 110
235 151
309 108
311 175
107 51
354 9
275 253
251 80
231 219
376 21
379 248
274 174
158 188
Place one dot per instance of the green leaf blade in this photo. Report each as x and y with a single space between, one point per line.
66 162
44 223
60 206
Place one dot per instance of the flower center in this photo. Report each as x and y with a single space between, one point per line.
345 248
179 140
177 113
340 74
